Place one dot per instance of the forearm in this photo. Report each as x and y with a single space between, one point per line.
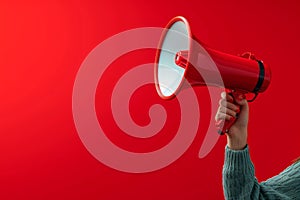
239 180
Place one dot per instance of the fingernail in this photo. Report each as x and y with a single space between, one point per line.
241 97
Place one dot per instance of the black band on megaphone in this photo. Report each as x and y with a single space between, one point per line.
261 76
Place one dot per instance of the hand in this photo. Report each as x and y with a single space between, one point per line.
237 134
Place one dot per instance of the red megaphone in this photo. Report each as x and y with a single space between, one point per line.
181 56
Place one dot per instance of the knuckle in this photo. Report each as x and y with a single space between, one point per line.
217 117
223 109
223 102
223 95
220 101
233 113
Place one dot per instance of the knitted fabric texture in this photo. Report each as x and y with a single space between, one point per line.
239 180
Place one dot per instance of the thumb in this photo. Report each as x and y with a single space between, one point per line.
242 101
244 111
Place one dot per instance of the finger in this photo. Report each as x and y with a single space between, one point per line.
229 105
227 111
222 116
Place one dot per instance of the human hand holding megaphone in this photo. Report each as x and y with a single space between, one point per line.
180 56
237 133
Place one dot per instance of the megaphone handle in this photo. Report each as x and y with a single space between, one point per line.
224 125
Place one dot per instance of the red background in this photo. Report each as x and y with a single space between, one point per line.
42 45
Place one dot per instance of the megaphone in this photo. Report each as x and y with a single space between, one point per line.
182 58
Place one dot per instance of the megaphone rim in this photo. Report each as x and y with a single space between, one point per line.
165 31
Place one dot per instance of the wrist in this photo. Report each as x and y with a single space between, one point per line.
236 145
237 140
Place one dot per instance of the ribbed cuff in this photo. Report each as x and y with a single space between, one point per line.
238 160
238 174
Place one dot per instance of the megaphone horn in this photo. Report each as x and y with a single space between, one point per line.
182 56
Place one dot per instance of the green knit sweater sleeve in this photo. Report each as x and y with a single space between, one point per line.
239 180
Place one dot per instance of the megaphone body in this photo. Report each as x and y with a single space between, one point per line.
182 60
